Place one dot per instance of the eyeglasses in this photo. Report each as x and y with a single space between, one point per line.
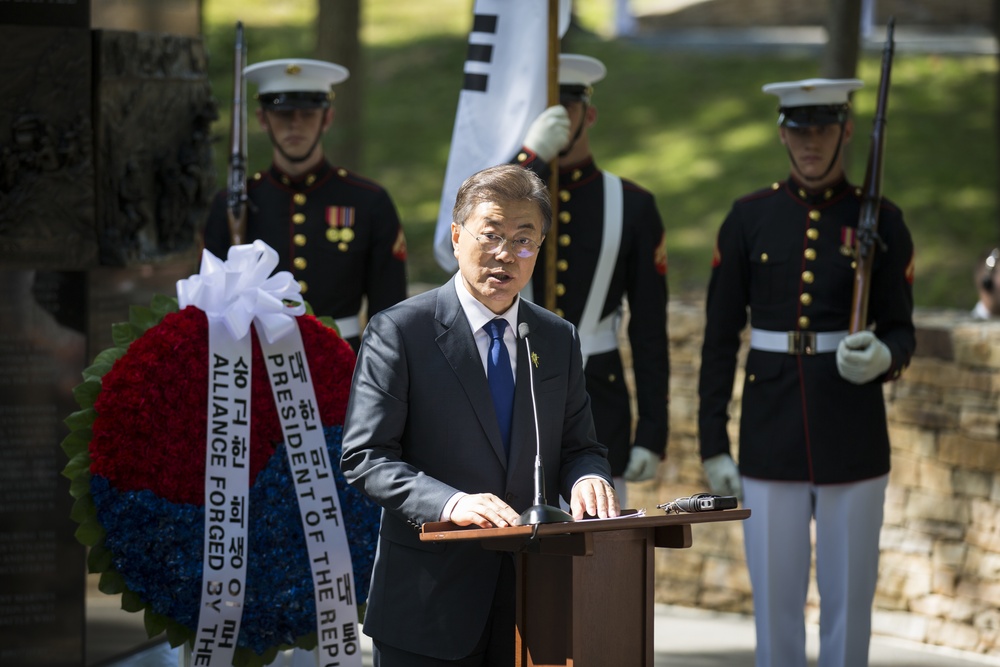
493 244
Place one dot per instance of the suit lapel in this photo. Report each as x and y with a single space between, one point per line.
458 346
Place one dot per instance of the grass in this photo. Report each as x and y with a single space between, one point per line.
693 128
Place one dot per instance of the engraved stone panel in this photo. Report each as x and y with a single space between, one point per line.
46 162
153 144
42 350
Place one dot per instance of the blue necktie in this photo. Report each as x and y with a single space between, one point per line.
501 378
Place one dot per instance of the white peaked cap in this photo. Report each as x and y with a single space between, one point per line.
295 75
813 92
575 69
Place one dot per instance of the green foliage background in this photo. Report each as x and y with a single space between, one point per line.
691 126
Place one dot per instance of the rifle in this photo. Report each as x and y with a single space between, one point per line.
236 191
871 198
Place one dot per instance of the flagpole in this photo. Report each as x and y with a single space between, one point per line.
552 248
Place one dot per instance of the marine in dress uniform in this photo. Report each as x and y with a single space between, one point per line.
335 231
588 269
813 439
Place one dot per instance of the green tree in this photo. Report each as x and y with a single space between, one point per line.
996 32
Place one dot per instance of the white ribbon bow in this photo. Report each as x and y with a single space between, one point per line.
239 291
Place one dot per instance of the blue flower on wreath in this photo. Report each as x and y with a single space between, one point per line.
157 549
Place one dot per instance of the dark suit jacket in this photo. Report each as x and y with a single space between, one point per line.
420 427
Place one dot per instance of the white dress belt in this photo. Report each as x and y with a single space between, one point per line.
796 342
350 327
602 338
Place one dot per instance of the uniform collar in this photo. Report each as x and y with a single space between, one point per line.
814 197
305 180
578 172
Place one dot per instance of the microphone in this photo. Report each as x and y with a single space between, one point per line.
699 502
540 512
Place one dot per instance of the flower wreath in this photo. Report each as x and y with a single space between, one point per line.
137 468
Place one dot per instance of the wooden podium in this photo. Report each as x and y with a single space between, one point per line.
585 589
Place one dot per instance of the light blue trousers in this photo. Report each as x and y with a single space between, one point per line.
777 536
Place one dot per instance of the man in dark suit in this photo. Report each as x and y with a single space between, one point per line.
423 439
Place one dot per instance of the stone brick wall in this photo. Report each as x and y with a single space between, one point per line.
744 13
939 579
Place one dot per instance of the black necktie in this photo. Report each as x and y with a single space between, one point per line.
501 378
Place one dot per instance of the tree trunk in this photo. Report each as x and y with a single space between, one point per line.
840 58
338 28
843 23
996 33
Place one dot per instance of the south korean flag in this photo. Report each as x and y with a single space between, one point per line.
504 89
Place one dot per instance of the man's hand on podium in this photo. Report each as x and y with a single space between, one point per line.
484 510
594 497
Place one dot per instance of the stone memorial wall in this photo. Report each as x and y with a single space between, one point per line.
42 350
105 178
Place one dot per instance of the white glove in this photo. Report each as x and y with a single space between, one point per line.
549 133
642 465
861 357
723 475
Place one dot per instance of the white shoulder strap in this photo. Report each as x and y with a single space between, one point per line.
600 336
595 335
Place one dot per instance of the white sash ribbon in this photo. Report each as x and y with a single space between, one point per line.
235 294
319 504
227 487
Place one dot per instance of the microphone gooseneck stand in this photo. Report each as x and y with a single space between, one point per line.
540 512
